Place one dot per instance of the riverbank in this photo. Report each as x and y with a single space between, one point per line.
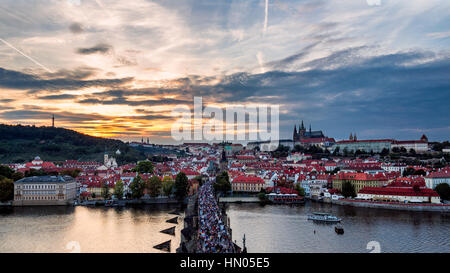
286 229
147 201
393 206
6 204
239 199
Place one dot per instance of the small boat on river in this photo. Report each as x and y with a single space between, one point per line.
339 229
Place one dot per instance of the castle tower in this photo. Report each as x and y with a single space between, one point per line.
295 135
105 159
302 130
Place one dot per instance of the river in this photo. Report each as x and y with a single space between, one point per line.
267 229
84 229
285 229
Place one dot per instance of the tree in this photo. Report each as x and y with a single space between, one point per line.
118 189
105 190
298 148
167 187
17 176
345 152
336 151
181 186
144 167
300 190
408 171
199 178
443 189
154 185
6 190
348 190
420 172
74 173
137 187
6 171
222 183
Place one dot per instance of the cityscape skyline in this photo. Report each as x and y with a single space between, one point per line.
343 67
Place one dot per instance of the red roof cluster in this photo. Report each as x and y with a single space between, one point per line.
401 191
248 179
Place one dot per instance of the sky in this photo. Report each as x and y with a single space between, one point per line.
377 68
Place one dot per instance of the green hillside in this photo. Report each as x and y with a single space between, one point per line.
20 143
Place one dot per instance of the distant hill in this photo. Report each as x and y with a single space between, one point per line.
20 143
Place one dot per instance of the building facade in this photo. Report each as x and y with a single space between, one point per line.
399 194
45 190
368 146
250 184
436 178
358 180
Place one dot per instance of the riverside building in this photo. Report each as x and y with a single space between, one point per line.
45 190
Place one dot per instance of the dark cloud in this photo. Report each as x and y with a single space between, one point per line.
47 115
18 80
78 73
99 48
58 97
125 101
76 28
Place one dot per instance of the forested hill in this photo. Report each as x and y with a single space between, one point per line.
20 143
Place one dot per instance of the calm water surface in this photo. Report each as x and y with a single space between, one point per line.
52 229
286 229
267 229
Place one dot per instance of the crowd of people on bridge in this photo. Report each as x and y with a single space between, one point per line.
213 236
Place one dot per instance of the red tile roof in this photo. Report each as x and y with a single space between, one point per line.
400 191
248 179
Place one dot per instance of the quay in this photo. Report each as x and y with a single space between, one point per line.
147 201
239 200
392 206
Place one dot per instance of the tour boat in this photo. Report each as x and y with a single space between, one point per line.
323 217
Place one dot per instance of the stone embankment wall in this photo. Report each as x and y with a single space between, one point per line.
393 206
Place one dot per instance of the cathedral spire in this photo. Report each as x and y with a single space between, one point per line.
310 128
351 136
302 126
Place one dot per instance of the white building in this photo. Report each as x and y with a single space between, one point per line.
44 190
399 194
436 178
388 167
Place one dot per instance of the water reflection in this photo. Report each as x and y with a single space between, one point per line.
50 229
286 229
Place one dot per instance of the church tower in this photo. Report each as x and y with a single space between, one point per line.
295 135
351 137
53 121
302 130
